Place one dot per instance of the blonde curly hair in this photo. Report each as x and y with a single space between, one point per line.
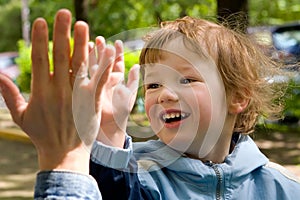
243 66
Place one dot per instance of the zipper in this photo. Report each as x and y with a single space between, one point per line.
219 178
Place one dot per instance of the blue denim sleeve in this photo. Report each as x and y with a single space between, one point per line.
118 184
116 171
65 185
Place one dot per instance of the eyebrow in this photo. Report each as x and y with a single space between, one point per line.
189 69
151 74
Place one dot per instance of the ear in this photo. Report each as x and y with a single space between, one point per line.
237 104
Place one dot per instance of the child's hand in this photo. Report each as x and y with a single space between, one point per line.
118 97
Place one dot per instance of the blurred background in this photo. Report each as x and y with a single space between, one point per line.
275 26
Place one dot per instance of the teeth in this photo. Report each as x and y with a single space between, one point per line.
173 115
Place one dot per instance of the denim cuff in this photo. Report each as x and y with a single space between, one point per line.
65 185
112 157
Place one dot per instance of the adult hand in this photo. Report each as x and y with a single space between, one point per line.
118 97
48 117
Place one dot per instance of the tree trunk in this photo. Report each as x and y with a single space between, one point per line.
234 13
81 10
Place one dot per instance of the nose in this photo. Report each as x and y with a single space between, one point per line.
167 95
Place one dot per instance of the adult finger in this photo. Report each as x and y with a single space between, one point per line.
61 46
81 50
39 56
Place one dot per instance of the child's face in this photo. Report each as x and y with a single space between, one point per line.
179 102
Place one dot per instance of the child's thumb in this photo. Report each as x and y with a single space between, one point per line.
133 78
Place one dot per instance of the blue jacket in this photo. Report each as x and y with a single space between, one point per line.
165 174
151 170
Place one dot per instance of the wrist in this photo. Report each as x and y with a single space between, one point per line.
75 160
112 135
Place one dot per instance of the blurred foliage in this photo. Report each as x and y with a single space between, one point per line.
264 12
10 23
292 108
110 17
24 63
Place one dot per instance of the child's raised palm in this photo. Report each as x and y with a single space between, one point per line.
118 97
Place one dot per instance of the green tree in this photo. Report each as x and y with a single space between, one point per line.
262 12
110 17
10 23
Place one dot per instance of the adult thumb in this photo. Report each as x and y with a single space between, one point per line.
14 101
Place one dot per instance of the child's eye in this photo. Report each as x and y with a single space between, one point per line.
153 86
186 81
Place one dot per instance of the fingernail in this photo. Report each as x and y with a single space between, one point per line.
40 24
100 40
119 42
64 16
137 66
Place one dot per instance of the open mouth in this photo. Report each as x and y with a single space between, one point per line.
174 116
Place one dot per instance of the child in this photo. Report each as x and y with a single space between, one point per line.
204 85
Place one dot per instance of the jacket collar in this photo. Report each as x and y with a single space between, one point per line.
244 158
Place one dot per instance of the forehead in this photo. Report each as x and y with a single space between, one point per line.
170 61
182 47
176 55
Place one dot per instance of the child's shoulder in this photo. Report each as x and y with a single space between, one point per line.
148 146
280 172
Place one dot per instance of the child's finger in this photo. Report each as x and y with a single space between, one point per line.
93 66
105 67
133 78
96 54
100 47
119 62
133 83
92 54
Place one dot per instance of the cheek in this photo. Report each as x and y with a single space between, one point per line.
201 104
149 102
